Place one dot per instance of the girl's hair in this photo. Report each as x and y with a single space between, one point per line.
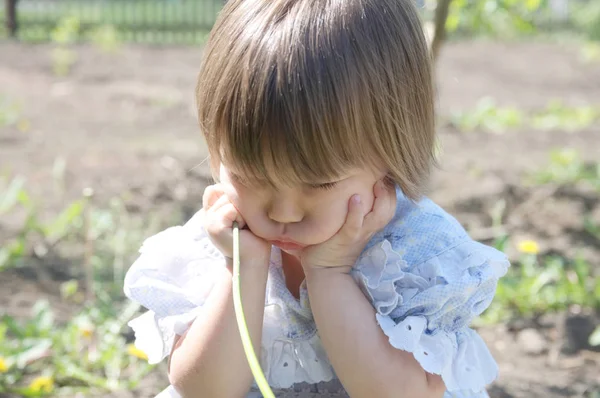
297 91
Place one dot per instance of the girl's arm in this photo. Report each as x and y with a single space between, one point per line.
363 359
209 360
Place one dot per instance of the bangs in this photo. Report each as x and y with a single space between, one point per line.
271 130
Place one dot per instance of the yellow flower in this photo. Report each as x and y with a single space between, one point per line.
136 352
86 331
3 365
529 247
43 384
23 125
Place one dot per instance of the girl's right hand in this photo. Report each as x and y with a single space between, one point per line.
220 214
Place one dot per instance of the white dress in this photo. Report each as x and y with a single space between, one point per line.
424 275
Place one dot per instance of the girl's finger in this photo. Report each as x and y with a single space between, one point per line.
355 217
210 196
383 207
222 201
228 214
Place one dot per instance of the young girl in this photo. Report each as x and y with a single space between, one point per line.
319 118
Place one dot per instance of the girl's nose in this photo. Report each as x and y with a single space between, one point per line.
285 209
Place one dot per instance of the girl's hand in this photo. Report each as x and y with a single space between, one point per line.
342 249
220 214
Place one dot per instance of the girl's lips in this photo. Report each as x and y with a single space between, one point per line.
286 245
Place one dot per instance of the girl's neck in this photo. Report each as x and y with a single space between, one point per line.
293 272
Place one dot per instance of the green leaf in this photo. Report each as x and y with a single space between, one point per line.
10 252
39 308
452 22
68 289
11 196
74 371
24 198
582 270
43 317
591 227
507 3
65 220
3 330
532 5
38 350
594 340
13 327
500 242
459 4
24 392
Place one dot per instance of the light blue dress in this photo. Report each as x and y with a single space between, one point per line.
426 278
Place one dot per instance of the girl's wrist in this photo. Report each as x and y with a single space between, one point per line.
324 272
260 263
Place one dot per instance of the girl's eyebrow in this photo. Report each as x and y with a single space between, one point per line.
329 181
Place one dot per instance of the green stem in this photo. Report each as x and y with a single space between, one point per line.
257 372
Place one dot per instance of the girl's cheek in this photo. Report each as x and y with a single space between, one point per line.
243 200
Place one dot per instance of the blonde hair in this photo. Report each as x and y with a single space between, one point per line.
300 90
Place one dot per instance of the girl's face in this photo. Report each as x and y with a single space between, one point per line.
299 216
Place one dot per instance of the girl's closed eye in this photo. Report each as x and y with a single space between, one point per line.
235 178
240 180
326 186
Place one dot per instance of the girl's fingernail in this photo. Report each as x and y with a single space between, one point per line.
356 199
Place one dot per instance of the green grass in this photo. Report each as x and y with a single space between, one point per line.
539 283
536 285
10 112
145 21
565 166
517 19
488 116
89 353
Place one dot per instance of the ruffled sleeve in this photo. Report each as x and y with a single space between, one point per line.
172 277
426 308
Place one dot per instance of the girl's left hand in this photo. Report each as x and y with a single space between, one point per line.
342 250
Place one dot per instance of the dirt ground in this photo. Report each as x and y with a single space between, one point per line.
125 123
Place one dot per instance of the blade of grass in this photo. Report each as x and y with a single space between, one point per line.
257 372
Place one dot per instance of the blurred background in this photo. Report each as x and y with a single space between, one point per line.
99 149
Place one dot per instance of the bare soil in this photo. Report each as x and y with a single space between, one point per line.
125 125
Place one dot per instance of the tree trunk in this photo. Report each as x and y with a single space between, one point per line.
11 17
439 34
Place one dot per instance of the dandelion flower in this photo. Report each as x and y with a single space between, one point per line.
3 365
136 352
23 125
42 384
86 331
529 247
